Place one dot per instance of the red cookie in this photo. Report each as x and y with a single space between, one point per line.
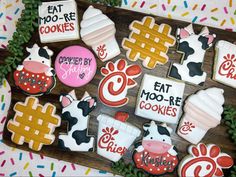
35 76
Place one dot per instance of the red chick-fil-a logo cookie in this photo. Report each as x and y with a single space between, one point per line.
107 141
35 76
205 161
228 67
102 54
186 128
118 79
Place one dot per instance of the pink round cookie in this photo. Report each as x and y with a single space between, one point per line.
75 66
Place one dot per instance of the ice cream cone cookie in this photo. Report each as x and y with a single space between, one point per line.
193 46
58 21
225 63
36 76
202 111
204 161
155 154
98 31
148 42
115 136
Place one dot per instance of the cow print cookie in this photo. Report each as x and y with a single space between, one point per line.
155 154
193 46
225 63
159 99
118 79
204 161
76 113
36 76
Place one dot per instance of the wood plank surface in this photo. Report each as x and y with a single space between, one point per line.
122 19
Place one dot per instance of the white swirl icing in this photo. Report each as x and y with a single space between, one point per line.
93 21
210 101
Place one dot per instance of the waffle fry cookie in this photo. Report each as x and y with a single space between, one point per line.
33 123
148 42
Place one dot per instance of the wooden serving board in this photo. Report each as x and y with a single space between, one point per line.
122 19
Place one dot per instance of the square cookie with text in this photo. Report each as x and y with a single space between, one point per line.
58 21
160 99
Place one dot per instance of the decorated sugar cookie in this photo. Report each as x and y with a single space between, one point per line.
118 78
36 76
98 31
204 161
193 46
202 111
75 66
155 154
33 123
225 63
159 99
115 135
148 42
76 113
58 21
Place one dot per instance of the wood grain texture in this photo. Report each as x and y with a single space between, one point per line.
122 19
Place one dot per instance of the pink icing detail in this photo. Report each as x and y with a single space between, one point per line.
65 101
79 69
35 67
184 33
157 147
91 102
210 38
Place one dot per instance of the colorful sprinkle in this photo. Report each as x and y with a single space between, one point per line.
142 4
102 172
203 7
52 166
17 10
226 10
54 174
203 19
134 4
169 16
40 175
185 4
232 20
169 1
214 10
235 12
9 18
13 174
194 19
153 6
2 37
87 171
125 1
223 22
230 3
163 7
4 28
41 156
3 163
3 106
2 174
20 156
63 168
30 174
214 18
2 98
12 161
31 155
1 14
40 166
1 153
185 14
173 9
194 7
3 119
8 5
26 166
73 166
